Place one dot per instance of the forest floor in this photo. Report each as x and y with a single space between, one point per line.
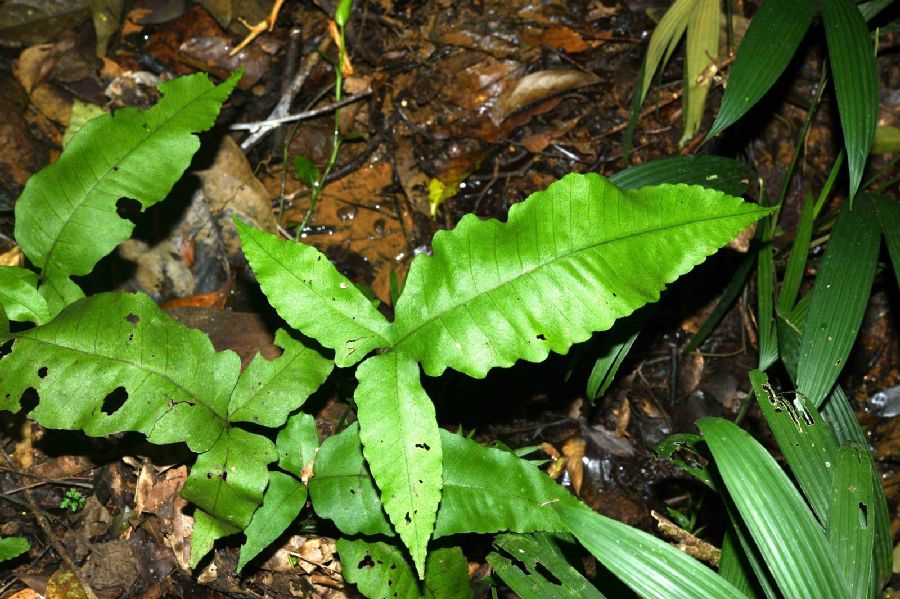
489 101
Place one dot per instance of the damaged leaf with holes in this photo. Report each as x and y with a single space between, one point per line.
116 362
66 218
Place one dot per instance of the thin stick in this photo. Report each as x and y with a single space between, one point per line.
284 103
268 125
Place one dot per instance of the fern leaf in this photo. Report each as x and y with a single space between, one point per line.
66 217
570 261
313 297
402 444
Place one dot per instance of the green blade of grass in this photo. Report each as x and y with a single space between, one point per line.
792 543
664 40
806 441
852 59
850 525
771 40
839 299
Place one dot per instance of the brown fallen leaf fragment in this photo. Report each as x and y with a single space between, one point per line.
539 86
573 449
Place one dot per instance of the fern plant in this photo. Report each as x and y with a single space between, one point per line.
570 261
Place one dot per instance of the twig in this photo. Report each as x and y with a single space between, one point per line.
268 125
284 103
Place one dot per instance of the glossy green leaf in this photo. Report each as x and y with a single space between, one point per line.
852 57
297 443
380 571
313 297
792 543
726 175
804 438
529 582
839 299
111 341
19 296
485 490
494 293
342 490
269 390
66 217
12 547
228 480
661 571
700 59
402 445
116 362
851 529
284 498
772 38
207 530
490 490
447 574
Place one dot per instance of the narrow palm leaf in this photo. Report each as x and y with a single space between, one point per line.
792 543
805 439
851 529
726 175
538 557
700 60
852 57
661 572
772 38
839 299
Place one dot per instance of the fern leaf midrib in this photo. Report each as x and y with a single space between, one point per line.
47 266
399 341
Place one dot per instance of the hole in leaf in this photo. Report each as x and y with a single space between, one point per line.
6 348
423 446
114 400
29 400
863 515
366 562
42 372
133 318
547 574
407 518
541 337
